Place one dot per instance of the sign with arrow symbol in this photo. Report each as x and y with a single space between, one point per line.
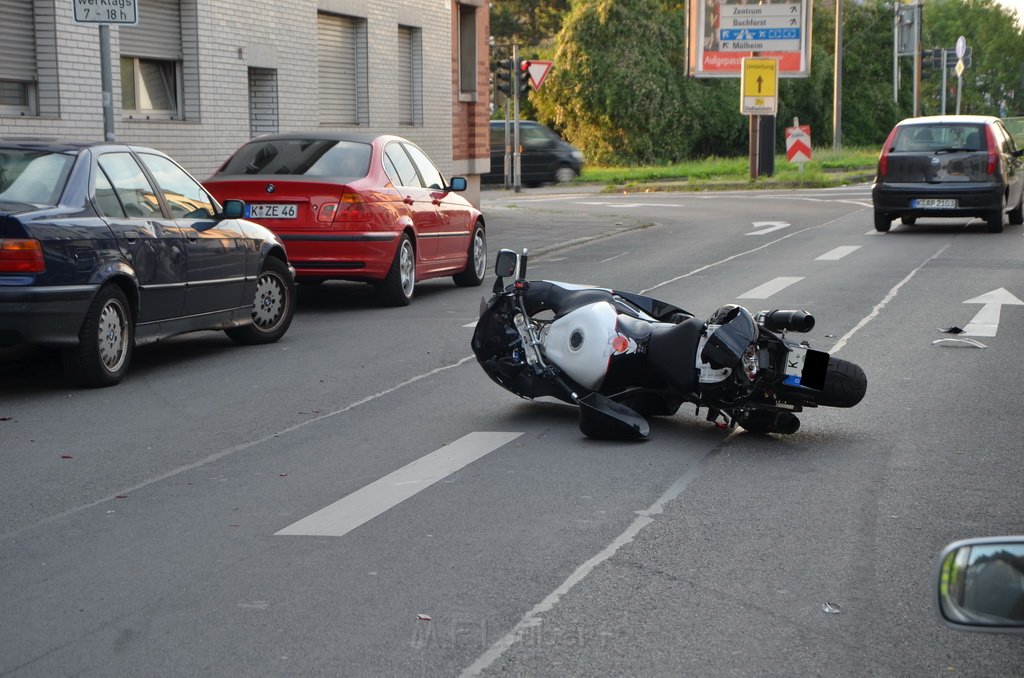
759 86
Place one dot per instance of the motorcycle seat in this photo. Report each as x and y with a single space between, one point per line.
672 352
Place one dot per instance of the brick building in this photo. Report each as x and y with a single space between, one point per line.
196 78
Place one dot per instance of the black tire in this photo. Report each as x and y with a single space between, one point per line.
845 384
909 221
994 220
273 306
105 341
398 287
564 174
476 262
1016 215
882 222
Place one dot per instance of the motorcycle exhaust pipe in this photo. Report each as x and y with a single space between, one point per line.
783 321
786 422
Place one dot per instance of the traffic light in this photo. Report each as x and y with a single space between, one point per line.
505 70
524 77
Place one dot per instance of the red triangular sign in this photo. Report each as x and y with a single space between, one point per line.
538 71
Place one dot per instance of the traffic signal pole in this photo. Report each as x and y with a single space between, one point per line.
517 156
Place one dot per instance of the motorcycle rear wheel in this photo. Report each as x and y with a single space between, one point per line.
845 384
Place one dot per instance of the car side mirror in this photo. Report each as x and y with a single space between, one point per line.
458 184
233 209
981 585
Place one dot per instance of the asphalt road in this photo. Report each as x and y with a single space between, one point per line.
360 500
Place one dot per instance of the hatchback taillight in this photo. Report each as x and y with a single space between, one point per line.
21 256
883 159
993 151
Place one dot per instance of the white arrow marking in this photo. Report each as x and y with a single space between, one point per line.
768 226
769 288
986 322
367 503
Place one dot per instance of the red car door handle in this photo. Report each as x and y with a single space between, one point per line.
408 201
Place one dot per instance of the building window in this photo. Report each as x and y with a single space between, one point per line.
151 61
467 50
149 86
18 56
17 97
342 69
410 76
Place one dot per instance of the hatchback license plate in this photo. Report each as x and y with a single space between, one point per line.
934 203
270 211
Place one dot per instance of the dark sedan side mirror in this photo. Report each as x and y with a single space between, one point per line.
981 585
233 209
458 184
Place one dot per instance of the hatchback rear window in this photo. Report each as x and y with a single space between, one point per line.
33 177
938 137
304 157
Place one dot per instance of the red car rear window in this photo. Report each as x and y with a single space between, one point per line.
303 157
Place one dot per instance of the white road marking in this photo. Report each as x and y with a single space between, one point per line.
632 204
769 288
768 227
367 503
883 303
838 253
986 322
534 618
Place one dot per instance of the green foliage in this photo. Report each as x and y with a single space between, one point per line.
618 89
996 74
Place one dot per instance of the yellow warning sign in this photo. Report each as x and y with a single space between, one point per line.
759 86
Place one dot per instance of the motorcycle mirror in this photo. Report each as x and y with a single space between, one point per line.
981 584
505 263
603 418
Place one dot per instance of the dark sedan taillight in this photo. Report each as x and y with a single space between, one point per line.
883 159
18 255
993 151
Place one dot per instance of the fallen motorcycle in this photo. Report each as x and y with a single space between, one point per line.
623 357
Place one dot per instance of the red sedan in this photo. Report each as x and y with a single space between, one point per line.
371 208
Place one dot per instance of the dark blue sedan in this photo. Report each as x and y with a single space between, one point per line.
106 246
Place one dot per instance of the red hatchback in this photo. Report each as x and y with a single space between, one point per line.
371 208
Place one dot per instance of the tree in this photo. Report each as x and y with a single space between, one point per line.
996 76
616 89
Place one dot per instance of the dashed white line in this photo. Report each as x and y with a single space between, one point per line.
365 504
838 253
769 288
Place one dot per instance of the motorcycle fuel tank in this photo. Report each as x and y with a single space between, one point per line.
582 342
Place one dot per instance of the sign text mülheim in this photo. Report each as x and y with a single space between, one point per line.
106 12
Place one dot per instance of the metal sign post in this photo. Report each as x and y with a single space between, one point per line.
104 13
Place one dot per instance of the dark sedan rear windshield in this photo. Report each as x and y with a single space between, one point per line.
32 177
940 136
304 157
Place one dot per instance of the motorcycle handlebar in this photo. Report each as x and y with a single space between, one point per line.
782 321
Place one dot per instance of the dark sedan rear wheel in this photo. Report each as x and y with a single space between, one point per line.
476 263
273 306
882 222
105 341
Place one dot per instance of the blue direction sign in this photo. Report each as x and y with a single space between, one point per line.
754 28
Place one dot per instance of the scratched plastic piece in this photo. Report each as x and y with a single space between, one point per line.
973 343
